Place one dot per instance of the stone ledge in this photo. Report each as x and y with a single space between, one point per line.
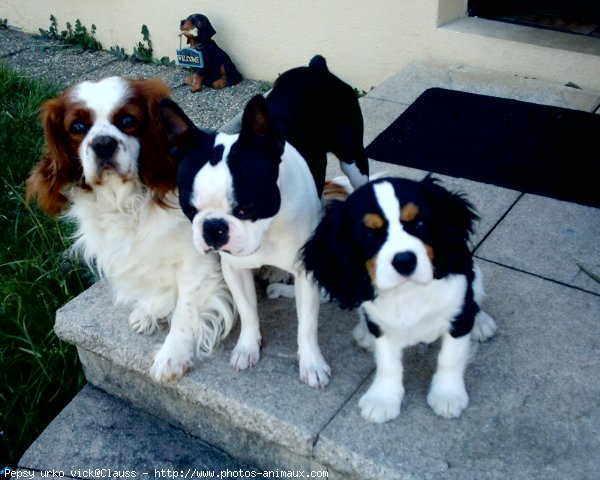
531 387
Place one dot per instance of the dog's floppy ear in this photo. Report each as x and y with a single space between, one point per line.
258 127
157 169
174 120
455 217
205 29
332 258
58 166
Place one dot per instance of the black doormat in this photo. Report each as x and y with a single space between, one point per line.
549 151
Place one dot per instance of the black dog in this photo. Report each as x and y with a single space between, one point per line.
318 113
218 70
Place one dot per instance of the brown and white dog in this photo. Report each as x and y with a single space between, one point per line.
107 166
218 70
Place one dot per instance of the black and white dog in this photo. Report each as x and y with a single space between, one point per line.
255 196
398 249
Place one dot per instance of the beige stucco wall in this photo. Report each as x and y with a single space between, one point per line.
364 42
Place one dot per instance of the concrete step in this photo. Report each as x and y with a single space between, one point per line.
533 388
98 434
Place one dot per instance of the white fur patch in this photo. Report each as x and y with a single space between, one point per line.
103 99
398 241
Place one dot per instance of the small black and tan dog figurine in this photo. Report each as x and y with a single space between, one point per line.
218 70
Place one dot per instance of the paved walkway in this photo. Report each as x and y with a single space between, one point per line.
534 388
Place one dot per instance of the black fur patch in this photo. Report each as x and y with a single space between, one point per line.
217 154
373 327
319 113
254 164
464 321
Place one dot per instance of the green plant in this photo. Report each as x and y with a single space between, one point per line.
3 23
589 273
166 61
118 52
361 93
264 87
77 37
39 373
142 52
52 31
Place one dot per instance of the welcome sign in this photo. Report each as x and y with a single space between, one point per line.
188 57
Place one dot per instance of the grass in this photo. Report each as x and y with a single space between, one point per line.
39 373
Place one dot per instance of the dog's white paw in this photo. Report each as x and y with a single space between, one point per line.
448 402
484 327
314 371
378 408
276 290
245 354
141 322
363 337
171 363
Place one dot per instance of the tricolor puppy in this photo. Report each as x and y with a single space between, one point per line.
398 250
252 197
106 164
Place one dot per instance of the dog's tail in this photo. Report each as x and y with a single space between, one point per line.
318 62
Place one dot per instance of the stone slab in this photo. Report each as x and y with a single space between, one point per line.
97 432
533 389
268 402
423 74
550 238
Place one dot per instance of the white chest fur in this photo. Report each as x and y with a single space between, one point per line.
414 313
138 245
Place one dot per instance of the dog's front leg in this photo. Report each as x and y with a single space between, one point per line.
313 367
241 283
448 395
176 356
383 399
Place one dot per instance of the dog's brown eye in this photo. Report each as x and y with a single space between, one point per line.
128 121
78 127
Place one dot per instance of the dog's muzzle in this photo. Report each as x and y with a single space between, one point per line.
215 232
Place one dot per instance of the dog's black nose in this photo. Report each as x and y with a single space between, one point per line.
182 22
405 262
215 232
104 146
